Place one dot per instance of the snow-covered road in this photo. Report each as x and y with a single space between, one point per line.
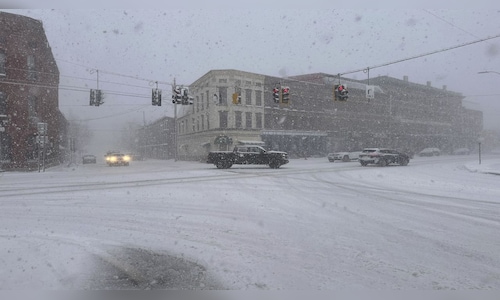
308 225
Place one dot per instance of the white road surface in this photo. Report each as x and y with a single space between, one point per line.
310 225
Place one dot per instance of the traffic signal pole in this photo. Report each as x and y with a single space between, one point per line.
175 126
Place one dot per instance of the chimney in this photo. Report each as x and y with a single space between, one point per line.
405 78
428 83
445 87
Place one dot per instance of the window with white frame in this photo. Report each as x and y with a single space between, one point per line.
31 68
237 119
248 120
222 119
33 108
258 120
223 96
248 97
3 60
258 98
3 104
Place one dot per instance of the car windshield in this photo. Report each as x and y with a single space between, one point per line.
131 147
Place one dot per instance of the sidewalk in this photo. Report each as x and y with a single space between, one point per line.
487 166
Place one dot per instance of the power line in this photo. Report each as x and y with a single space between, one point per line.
117 114
451 24
422 55
116 74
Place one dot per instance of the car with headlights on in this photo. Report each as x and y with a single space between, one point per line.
117 159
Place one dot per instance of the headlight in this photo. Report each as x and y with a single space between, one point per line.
113 158
126 158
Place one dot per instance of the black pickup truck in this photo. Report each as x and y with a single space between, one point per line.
247 155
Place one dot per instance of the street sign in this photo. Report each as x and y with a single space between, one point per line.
370 92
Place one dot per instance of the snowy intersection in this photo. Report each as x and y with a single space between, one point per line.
311 224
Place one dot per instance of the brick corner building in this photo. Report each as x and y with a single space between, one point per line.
29 79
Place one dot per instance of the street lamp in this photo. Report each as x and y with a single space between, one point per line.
479 141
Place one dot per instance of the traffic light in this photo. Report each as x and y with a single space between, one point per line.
95 97
98 98
276 95
92 97
156 97
186 98
236 98
237 95
340 92
176 95
285 95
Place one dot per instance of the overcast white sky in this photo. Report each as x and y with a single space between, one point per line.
160 44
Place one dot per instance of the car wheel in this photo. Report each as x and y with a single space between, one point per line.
274 165
382 163
220 165
404 162
363 163
345 158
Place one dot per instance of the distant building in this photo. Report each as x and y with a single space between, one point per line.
402 115
156 140
429 116
29 80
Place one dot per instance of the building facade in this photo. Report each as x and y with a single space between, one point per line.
156 140
29 80
214 122
402 115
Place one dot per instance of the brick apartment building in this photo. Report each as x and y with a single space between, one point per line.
29 80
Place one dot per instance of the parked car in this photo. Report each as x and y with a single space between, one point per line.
383 157
461 151
430 152
117 159
89 159
344 156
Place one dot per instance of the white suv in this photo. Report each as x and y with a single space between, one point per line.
383 157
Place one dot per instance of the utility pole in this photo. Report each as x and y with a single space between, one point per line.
175 126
